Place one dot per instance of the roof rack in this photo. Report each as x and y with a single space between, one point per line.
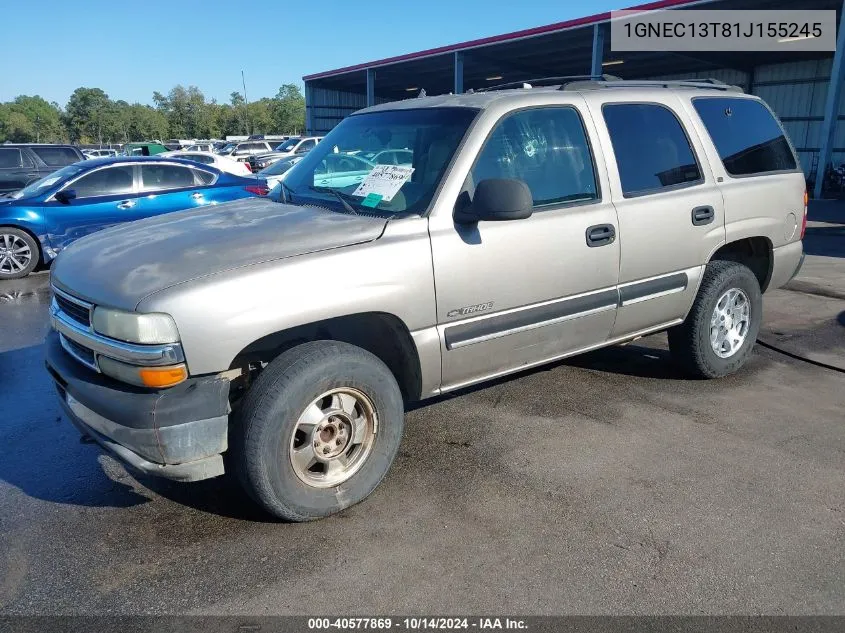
595 82
710 84
546 82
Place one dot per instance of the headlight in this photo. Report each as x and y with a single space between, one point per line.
134 327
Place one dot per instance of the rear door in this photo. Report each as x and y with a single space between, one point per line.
13 176
104 197
671 213
168 187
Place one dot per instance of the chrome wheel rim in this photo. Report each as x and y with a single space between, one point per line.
730 323
333 437
15 254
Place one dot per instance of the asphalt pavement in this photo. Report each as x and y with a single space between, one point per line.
606 484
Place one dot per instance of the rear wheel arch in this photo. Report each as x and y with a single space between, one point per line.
755 253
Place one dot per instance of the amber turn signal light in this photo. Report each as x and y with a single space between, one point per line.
160 377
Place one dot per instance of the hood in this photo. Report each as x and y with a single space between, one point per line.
120 266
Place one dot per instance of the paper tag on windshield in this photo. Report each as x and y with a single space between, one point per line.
384 181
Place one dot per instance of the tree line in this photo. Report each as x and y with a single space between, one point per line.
91 116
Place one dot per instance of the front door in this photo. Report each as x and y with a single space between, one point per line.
516 293
104 197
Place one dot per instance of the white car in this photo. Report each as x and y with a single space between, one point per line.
199 147
215 160
99 153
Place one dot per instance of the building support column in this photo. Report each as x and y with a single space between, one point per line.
598 50
459 72
309 107
831 109
371 87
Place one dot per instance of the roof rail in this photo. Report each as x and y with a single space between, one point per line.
711 84
547 81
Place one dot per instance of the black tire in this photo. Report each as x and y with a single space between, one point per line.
266 422
35 253
690 341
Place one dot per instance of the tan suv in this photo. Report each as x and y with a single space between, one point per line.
525 226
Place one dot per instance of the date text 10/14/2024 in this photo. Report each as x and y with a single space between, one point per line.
417 623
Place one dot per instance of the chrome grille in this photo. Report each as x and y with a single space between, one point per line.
76 309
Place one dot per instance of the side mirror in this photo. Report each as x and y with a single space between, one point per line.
66 195
496 200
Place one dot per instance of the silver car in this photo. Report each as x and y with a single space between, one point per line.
527 225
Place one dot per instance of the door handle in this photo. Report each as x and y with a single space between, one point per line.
126 204
703 215
196 196
601 235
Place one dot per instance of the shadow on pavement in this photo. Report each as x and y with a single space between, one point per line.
42 453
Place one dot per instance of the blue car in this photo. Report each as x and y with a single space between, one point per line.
40 220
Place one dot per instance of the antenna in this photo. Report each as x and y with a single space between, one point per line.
246 104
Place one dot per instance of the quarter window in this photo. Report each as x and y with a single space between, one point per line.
652 150
746 135
112 181
544 147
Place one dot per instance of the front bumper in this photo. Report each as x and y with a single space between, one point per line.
178 433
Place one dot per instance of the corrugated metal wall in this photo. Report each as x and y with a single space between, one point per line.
327 107
797 92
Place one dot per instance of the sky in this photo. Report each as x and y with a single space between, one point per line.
131 48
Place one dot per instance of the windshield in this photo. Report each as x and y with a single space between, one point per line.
280 166
227 148
287 145
40 186
428 138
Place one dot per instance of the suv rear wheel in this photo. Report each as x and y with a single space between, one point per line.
19 253
318 430
719 333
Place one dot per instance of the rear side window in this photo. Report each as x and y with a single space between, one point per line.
544 147
163 177
652 150
56 155
746 135
9 158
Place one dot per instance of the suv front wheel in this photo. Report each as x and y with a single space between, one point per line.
318 430
720 330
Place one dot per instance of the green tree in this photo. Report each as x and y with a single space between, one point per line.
87 110
289 109
29 120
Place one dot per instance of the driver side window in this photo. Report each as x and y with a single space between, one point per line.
112 181
546 148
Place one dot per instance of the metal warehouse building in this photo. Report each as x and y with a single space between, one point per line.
803 88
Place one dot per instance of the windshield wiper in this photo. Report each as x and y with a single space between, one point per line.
337 194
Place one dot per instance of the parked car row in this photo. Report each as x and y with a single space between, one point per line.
49 209
40 220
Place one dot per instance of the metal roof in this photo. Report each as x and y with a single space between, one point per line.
562 48
506 37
